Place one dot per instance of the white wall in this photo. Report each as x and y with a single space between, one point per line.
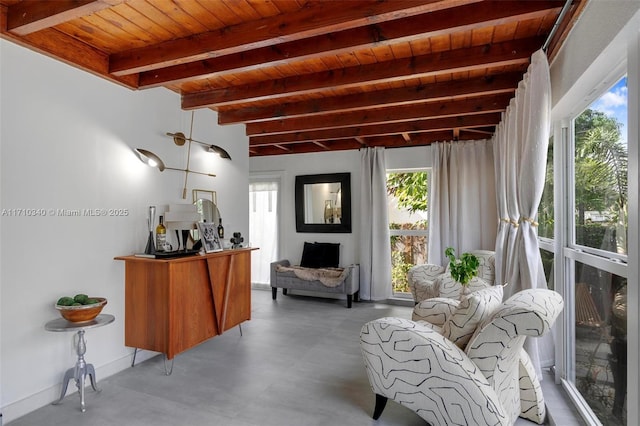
332 162
66 143
590 60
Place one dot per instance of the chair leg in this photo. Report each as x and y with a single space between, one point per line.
349 300
356 296
381 402
274 292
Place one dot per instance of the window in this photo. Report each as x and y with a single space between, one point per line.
408 224
596 257
600 173
545 209
263 227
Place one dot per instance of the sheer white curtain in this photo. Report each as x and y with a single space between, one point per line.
521 142
375 243
462 212
263 228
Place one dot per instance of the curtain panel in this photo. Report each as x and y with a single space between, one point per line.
462 211
520 142
375 242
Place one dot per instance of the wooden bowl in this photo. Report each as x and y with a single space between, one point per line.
82 313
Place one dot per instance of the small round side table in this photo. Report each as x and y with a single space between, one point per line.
81 369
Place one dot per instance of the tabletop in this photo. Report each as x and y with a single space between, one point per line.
61 324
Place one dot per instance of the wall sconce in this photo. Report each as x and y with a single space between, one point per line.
152 160
179 139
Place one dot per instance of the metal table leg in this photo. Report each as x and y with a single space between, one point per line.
79 373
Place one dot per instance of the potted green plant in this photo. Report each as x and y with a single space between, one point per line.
462 269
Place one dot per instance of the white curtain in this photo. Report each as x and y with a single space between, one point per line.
521 142
375 243
462 213
263 228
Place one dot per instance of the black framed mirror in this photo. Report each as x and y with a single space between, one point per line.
323 203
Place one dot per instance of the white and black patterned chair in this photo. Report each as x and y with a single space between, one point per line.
428 280
490 382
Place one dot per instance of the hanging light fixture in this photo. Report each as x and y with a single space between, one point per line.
152 160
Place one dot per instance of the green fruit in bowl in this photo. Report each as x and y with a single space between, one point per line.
81 298
92 301
65 301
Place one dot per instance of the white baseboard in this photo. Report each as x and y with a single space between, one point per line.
40 399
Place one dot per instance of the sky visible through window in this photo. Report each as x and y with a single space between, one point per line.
614 104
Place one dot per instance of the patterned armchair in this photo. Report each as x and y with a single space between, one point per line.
428 281
429 369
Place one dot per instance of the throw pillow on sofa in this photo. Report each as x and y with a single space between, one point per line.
471 311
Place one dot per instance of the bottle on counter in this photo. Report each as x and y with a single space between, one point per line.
161 235
220 229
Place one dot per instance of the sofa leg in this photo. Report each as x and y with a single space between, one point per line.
284 291
274 292
356 296
349 300
381 402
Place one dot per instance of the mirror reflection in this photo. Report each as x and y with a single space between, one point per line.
323 203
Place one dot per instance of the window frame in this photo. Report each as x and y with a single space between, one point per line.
411 232
567 252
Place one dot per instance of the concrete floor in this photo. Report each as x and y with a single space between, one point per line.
298 363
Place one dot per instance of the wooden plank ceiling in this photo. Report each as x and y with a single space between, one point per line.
309 75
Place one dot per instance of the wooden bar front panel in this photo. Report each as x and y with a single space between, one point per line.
172 305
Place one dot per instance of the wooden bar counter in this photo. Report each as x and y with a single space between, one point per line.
174 304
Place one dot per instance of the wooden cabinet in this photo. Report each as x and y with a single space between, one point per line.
172 305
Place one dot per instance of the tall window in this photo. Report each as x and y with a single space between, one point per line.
597 256
408 224
263 227
546 221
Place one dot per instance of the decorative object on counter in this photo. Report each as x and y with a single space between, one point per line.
206 202
161 235
237 240
80 308
220 229
151 221
209 237
180 139
182 218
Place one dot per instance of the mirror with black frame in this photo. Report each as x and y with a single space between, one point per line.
323 203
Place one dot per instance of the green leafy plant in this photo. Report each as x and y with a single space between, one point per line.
462 269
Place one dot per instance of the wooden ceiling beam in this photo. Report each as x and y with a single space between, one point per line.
417 126
55 44
478 105
316 18
419 139
464 18
30 16
448 90
480 131
459 60
301 148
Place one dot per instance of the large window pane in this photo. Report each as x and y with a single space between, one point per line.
601 342
545 209
548 265
407 212
601 173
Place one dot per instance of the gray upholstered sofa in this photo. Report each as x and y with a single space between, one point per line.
284 276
